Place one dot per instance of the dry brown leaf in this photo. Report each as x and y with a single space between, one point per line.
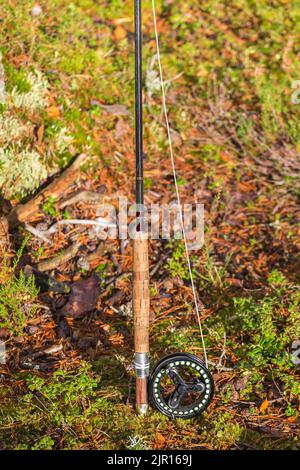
114 109
122 128
40 134
83 298
234 282
116 338
159 438
120 33
53 112
263 406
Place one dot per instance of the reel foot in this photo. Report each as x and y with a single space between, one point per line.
181 386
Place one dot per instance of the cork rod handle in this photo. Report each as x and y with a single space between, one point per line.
141 298
141 307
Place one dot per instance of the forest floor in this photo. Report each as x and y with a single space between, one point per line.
66 84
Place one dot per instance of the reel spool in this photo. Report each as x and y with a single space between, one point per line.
181 386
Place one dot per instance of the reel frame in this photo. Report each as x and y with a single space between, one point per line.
167 367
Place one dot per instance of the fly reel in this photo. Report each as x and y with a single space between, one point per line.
181 386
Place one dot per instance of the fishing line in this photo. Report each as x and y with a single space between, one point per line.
171 152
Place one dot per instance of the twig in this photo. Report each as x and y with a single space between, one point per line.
218 367
98 253
53 263
23 212
43 234
99 222
158 265
37 233
83 196
4 240
55 348
223 353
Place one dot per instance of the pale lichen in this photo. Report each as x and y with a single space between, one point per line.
2 82
34 99
153 84
63 140
11 129
21 168
21 172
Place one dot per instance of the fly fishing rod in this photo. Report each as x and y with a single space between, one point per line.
141 296
180 385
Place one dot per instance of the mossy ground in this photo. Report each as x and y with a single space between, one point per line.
230 68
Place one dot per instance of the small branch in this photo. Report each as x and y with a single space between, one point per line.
37 233
223 353
43 234
83 196
55 348
53 263
158 265
4 239
103 223
23 212
218 367
98 253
